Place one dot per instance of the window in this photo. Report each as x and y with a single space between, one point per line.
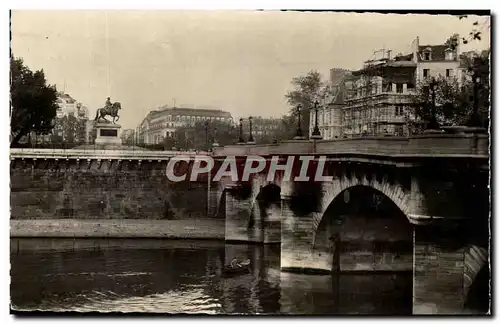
398 111
426 73
449 73
427 56
399 87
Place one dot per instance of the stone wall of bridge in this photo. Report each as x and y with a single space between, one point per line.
106 189
252 210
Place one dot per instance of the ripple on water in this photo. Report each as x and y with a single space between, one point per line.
186 301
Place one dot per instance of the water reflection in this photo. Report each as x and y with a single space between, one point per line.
184 277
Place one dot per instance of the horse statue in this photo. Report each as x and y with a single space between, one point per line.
111 110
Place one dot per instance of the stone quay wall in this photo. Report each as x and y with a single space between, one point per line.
109 189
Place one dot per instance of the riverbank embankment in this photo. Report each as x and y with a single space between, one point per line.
119 228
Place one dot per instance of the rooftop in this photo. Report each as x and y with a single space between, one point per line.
174 111
438 52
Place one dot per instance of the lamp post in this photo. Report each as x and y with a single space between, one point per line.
206 135
433 124
215 144
250 138
475 119
316 134
241 140
174 141
298 134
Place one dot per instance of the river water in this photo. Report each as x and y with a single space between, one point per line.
178 276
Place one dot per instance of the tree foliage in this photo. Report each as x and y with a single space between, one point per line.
288 127
33 102
475 33
69 125
453 106
307 89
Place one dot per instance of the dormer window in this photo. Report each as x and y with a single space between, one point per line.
427 54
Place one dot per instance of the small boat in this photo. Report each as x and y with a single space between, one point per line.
236 268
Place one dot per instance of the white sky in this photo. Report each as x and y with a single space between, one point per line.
241 62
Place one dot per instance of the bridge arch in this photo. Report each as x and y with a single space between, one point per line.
394 191
363 220
366 240
358 199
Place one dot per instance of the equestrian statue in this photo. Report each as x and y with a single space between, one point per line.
109 109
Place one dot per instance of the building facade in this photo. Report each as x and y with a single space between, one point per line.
164 122
330 113
379 95
376 100
264 130
70 124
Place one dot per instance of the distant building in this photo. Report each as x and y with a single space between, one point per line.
330 114
128 136
66 105
164 121
378 96
264 130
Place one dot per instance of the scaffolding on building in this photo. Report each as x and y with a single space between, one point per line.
370 110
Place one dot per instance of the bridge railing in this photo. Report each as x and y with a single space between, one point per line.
97 154
438 144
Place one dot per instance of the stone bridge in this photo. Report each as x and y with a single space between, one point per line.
417 204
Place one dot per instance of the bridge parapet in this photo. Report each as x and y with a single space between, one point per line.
28 153
435 145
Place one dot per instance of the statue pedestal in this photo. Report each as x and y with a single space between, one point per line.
108 133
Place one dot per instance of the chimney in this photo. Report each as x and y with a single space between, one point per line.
389 54
415 45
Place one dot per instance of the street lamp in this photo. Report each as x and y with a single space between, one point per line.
241 140
215 144
299 134
433 124
250 138
316 134
475 119
206 135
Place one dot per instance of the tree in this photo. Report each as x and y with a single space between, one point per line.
69 127
451 100
168 142
289 126
307 89
33 102
474 35
478 69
